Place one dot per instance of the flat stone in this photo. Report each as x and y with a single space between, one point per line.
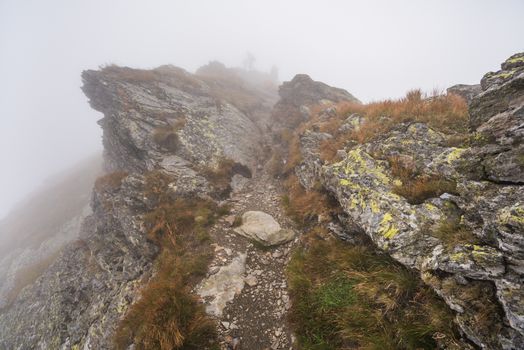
223 286
251 281
263 228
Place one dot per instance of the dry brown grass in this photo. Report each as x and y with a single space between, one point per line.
168 316
132 75
306 207
420 189
110 182
445 113
167 136
415 186
220 175
452 233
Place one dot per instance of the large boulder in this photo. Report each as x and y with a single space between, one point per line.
264 229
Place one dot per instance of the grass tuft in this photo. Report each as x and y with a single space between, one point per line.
357 298
168 316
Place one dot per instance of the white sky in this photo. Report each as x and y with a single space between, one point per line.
374 49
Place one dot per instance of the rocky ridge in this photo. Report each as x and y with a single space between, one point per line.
487 202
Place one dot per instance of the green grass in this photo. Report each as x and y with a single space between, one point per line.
347 297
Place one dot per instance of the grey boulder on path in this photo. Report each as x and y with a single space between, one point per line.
264 229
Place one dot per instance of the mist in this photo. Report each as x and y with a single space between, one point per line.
373 49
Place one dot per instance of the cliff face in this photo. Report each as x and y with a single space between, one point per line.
479 277
165 120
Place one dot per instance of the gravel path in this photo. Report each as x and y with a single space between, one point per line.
256 317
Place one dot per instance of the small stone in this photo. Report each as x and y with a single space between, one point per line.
251 280
225 324
277 254
230 219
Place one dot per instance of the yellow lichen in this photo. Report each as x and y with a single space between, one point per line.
374 207
516 60
454 154
386 228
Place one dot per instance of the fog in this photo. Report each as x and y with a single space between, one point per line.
374 49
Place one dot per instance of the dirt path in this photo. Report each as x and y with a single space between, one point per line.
256 317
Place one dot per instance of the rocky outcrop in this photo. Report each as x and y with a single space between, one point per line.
476 266
299 95
468 92
149 114
501 92
79 300
165 121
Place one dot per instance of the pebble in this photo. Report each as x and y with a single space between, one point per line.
251 280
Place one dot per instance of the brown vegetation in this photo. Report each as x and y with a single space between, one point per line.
131 74
445 113
306 207
167 136
417 187
168 316
111 181
452 233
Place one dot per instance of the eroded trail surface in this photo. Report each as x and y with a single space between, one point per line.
246 288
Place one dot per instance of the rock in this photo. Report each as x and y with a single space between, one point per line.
501 91
251 281
222 287
238 183
230 219
98 275
263 228
297 95
174 113
465 91
487 202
